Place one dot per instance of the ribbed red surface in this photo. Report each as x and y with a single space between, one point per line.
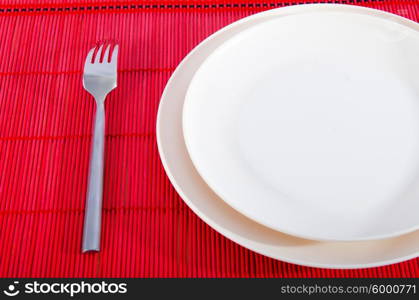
45 130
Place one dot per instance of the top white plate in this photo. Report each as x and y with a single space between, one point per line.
309 124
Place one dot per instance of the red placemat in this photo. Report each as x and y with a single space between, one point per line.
45 132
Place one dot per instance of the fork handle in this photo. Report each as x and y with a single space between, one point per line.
93 212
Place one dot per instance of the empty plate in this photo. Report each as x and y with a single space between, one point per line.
309 124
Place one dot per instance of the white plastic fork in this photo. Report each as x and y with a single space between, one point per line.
99 78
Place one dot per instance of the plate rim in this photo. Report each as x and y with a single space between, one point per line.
208 220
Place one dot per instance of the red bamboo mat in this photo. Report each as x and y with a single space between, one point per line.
45 132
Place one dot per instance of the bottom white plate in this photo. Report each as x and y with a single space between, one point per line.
216 213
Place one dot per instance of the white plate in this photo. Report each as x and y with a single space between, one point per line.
309 124
227 221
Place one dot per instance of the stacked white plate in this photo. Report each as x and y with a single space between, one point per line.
295 133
